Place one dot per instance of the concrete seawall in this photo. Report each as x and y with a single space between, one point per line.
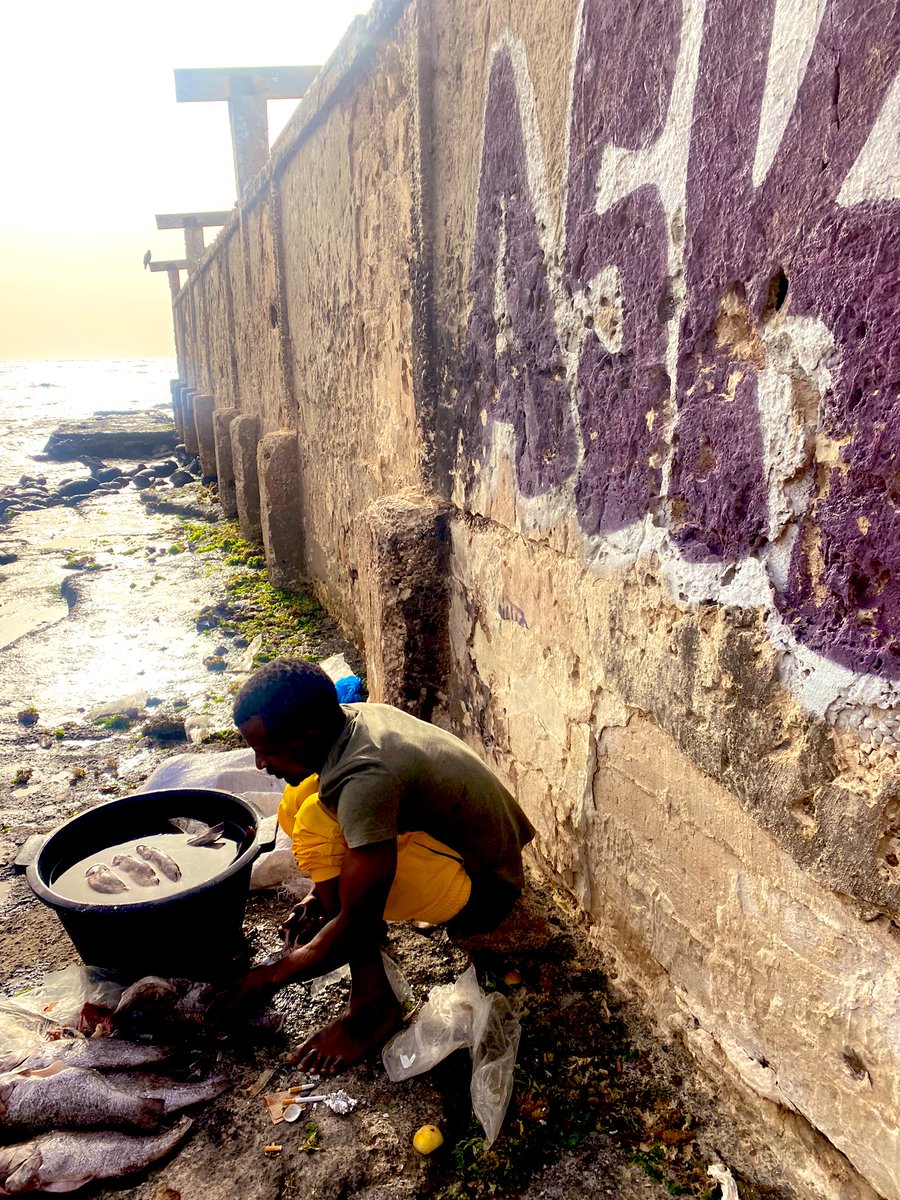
556 348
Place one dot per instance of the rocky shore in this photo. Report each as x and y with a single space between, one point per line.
160 610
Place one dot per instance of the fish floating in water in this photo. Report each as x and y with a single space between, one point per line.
62 1162
163 863
140 872
102 879
200 834
60 1097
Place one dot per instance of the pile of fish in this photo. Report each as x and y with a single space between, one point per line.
95 1108
143 870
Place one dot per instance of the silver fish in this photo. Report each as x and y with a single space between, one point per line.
62 1162
163 863
99 1054
102 879
174 1094
140 872
60 1097
202 834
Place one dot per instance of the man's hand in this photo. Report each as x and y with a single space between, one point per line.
303 922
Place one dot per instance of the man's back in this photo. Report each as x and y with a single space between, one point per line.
391 773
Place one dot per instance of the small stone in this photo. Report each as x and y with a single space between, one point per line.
28 716
180 477
214 663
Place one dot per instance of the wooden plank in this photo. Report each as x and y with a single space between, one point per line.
226 83
179 264
194 220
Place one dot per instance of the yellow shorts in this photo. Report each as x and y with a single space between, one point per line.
430 885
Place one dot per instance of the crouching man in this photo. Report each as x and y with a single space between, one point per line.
393 819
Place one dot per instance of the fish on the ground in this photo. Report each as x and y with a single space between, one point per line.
152 1003
60 1097
62 1162
200 834
174 1094
102 879
162 861
140 872
96 1053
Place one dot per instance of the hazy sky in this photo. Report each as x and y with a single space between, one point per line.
93 144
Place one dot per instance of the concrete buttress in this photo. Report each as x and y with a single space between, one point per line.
278 468
244 443
405 538
222 420
204 407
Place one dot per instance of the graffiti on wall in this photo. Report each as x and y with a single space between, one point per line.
712 346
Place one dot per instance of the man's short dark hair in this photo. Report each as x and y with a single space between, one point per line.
289 695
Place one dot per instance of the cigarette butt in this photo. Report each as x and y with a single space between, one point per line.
296 1090
272 1149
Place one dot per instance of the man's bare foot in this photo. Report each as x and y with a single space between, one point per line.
352 1036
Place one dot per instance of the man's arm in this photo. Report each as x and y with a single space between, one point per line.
365 880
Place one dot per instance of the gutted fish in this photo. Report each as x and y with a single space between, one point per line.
98 1054
153 1003
140 872
62 1162
102 879
174 1094
164 864
59 1097
200 833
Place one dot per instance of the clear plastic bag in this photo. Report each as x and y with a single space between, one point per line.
51 1008
456 1015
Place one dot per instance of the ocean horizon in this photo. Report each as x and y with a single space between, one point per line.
37 395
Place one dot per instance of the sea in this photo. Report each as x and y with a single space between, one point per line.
38 395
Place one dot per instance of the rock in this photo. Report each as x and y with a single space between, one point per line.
107 474
144 480
180 477
113 435
214 662
164 469
165 728
78 487
8 557
28 716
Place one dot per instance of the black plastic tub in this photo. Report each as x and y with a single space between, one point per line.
196 934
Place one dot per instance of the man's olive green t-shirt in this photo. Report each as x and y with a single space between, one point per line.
390 773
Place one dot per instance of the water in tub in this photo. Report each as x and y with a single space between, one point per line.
175 867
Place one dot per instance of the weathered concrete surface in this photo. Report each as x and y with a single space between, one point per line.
406 602
281 515
191 443
203 426
244 448
113 435
222 418
620 288
177 407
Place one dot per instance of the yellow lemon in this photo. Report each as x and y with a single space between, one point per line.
428 1138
